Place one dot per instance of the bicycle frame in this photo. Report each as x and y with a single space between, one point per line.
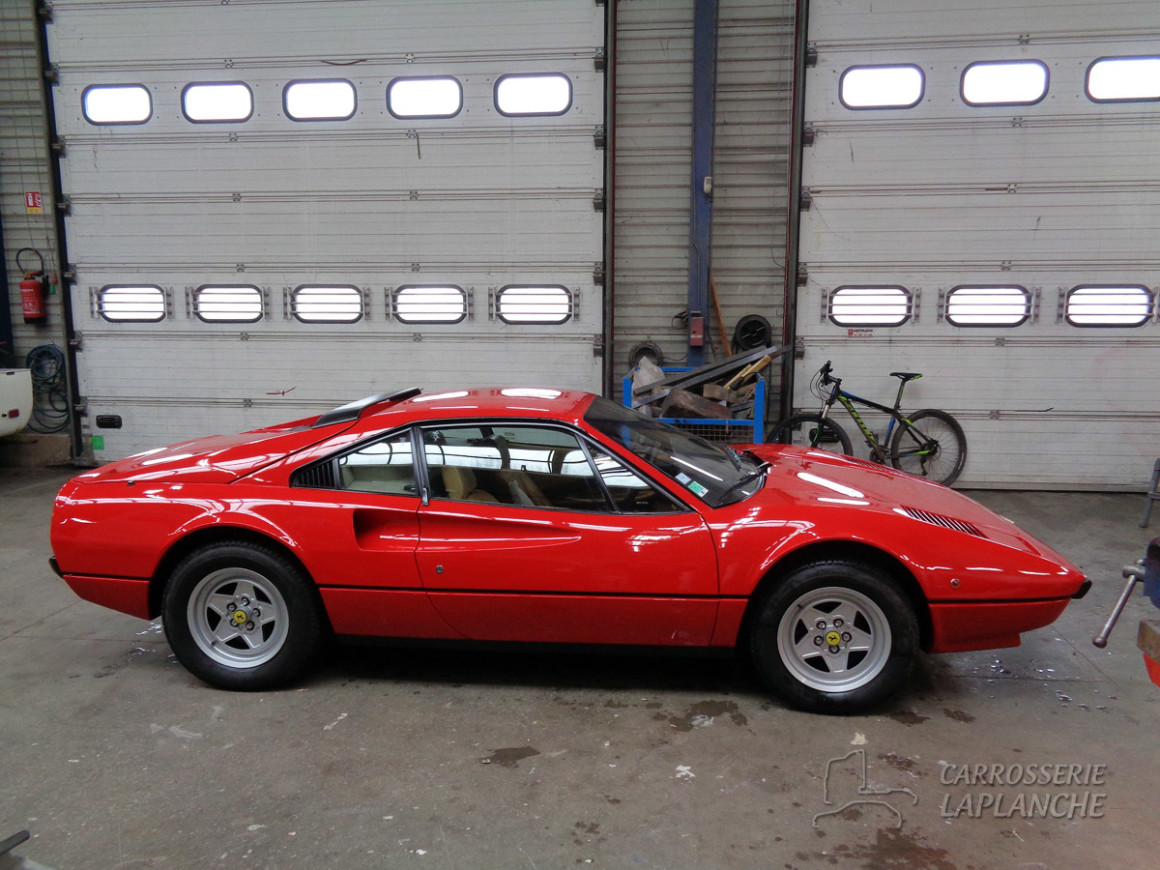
847 400
929 443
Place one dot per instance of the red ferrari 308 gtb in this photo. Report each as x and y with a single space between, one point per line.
547 516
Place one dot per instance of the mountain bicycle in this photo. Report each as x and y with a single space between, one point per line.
928 443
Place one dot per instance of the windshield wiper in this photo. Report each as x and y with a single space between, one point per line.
759 471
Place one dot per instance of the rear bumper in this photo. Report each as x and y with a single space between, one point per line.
962 627
117 593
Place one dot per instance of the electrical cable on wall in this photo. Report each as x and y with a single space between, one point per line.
50 411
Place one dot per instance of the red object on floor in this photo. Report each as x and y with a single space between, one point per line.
1153 669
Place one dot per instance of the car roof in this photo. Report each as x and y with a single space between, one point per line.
534 402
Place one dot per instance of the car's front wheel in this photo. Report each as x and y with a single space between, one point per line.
242 616
834 637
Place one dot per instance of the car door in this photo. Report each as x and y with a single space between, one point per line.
359 510
532 534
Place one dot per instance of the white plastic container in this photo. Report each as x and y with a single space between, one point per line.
15 400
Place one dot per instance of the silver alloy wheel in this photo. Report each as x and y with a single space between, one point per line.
834 639
238 618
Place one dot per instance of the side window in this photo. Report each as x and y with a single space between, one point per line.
631 493
386 466
531 466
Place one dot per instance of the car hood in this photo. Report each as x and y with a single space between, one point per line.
832 480
214 458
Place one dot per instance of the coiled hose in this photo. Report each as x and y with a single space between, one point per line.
50 405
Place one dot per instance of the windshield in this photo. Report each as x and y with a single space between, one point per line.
716 475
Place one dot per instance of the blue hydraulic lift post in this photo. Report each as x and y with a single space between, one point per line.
701 211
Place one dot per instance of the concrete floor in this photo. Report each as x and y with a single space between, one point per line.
114 757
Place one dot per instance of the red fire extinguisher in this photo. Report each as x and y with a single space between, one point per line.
32 299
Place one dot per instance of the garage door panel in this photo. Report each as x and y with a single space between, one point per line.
265 365
863 23
234 385
1045 196
476 116
998 154
394 164
991 375
478 200
334 33
1061 451
295 232
996 226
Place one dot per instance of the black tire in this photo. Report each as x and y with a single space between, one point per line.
811 430
751 332
242 616
933 446
834 637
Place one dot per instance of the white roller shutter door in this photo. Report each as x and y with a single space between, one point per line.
455 239
967 205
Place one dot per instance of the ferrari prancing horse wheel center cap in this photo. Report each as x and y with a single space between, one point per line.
832 638
240 617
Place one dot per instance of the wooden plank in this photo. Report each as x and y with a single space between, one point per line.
748 372
691 405
725 344
1148 639
706 373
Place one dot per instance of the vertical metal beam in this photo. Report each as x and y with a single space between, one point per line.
793 220
701 207
66 272
7 350
609 306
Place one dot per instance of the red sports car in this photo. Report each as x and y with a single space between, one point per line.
547 516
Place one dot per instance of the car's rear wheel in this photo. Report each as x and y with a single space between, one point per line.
834 637
242 616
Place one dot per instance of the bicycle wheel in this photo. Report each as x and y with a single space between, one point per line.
930 444
810 430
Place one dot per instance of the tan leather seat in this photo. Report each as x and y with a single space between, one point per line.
524 490
461 485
